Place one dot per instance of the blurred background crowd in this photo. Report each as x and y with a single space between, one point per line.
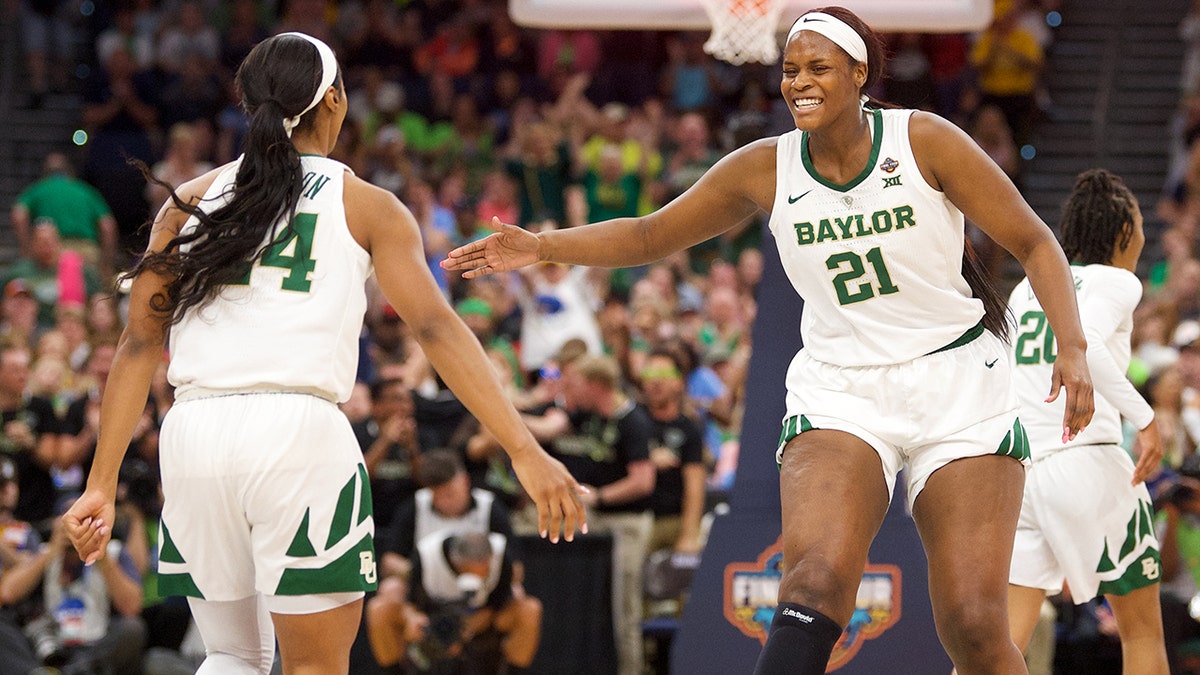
634 377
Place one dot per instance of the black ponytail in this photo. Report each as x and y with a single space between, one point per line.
278 79
995 307
1097 218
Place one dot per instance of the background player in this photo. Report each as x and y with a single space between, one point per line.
1086 516
903 362
258 269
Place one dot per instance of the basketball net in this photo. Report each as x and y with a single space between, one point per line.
743 30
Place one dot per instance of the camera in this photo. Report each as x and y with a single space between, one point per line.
443 632
42 634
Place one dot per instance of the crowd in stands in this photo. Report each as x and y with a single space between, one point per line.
634 378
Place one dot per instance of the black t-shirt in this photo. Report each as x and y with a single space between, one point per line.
598 450
682 438
392 481
36 502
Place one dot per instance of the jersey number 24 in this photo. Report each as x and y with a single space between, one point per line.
299 263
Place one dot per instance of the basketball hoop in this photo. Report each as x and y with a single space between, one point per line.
743 30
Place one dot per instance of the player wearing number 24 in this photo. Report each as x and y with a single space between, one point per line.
866 205
257 271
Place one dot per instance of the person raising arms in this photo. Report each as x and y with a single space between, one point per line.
257 270
1087 515
904 361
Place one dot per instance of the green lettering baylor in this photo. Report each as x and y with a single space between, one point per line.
825 231
851 227
804 234
843 224
881 221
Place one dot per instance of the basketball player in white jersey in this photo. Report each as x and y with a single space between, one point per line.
1087 515
902 361
257 270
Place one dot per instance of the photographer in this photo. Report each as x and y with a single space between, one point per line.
461 601
19 544
89 616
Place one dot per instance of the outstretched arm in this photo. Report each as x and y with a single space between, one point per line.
950 161
732 191
391 235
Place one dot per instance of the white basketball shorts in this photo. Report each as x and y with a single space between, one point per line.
925 413
264 492
1082 521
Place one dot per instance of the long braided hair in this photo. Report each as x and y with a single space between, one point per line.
278 78
1097 218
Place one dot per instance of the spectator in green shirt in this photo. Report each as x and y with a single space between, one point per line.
83 219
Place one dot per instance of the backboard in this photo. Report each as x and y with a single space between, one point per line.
924 16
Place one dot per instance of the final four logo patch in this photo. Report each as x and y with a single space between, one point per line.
752 590
889 165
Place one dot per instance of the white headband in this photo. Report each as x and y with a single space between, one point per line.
836 30
328 73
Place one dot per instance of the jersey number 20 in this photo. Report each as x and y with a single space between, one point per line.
1035 340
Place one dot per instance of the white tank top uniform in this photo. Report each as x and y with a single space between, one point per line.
894 348
294 324
264 483
1080 518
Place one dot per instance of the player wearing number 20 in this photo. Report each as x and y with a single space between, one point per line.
903 360
1087 516
257 271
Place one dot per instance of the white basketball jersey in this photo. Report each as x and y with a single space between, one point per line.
294 322
1107 297
878 260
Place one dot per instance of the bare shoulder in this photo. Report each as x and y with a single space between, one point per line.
750 171
171 218
928 131
369 207
938 145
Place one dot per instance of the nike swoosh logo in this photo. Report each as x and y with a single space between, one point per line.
991 363
793 200
813 18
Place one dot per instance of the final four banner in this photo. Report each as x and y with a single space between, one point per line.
735 589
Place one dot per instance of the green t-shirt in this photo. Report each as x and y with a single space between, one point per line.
73 205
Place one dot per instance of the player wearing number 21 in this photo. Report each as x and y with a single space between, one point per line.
903 363
257 270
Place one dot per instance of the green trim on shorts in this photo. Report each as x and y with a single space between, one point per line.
966 338
342 514
353 571
1015 443
1146 571
1140 573
365 505
178 584
793 427
301 546
169 552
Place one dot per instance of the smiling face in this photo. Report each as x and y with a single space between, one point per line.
820 80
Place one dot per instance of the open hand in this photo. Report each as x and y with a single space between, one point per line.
554 491
1071 373
1148 449
509 248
